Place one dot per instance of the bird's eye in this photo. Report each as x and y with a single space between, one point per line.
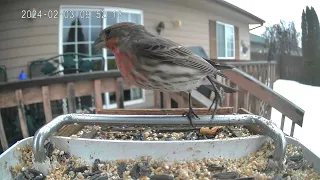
108 32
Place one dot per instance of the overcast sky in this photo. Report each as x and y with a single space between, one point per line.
273 10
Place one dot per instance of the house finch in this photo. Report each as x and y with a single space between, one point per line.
155 63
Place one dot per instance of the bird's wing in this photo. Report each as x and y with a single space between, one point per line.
164 51
218 65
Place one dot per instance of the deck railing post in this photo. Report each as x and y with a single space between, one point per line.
283 117
166 100
235 99
3 137
180 99
71 98
246 100
22 115
227 95
119 93
292 128
156 96
46 103
97 94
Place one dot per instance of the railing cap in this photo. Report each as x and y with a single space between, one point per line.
42 81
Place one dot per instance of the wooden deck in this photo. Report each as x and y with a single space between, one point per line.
258 99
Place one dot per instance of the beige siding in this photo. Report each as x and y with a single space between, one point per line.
245 36
23 40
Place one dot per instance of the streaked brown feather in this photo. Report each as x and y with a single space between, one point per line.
167 51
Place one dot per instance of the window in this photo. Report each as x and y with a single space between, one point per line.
79 30
80 26
225 41
115 16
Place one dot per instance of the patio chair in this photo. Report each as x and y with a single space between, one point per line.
50 66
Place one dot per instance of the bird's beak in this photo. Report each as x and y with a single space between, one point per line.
98 43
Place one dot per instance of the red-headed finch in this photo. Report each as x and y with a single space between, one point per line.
155 63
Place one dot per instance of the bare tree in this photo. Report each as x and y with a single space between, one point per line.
282 38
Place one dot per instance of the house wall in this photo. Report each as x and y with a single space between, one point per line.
257 47
23 40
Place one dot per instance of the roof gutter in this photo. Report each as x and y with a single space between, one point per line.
256 27
239 10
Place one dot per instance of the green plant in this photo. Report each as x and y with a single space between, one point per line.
310 46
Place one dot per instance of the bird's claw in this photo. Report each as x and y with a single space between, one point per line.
216 101
190 114
214 111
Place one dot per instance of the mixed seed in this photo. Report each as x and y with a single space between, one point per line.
254 166
160 133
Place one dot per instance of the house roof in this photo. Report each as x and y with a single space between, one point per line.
257 39
239 10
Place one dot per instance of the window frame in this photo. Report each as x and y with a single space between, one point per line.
107 104
225 39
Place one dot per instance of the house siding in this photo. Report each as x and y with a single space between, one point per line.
258 48
23 40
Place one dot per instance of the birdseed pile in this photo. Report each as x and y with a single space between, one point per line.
65 166
160 133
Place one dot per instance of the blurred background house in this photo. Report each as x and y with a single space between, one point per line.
258 47
258 44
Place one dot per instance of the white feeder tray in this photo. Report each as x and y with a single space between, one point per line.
91 149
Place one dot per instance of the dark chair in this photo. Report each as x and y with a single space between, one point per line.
50 66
